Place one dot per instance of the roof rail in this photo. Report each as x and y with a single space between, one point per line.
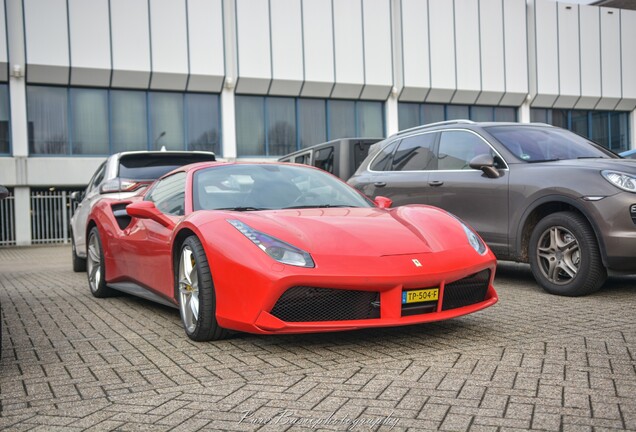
430 125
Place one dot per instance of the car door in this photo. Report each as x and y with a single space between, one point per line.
479 200
403 174
148 253
91 195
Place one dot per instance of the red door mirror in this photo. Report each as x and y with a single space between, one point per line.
383 202
147 210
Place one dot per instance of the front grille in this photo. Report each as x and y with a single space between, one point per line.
467 291
302 304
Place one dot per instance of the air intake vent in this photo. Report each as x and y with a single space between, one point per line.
467 291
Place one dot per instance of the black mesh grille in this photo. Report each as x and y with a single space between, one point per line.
300 304
467 291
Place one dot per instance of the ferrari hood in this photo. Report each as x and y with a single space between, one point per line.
361 231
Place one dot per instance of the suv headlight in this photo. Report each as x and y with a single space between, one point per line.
621 180
276 249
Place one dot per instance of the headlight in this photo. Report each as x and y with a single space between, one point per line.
627 182
475 241
277 249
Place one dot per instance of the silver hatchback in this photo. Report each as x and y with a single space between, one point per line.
120 176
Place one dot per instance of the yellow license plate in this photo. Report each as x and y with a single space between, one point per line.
417 296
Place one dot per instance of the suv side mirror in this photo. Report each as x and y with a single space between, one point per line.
383 202
77 196
148 210
4 192
485 163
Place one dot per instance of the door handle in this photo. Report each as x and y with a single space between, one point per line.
435 183
379 184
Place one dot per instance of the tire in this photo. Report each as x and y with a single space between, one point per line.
195 293
79 264
565 257
95 268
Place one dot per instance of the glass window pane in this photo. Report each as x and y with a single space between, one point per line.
415 153
4 119
600 128
580 123
166 116
408 115
458 148
482 113
454 112
370 119
539 115
505 114
129 120
431 113
89 118
281 126
250 126
342 119
47 114
558 118
620 131
312 122
203 122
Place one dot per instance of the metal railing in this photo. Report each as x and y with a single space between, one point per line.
51 212
7 221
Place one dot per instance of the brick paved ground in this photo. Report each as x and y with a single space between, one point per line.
533 361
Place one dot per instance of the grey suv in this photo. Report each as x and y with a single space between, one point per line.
120 176
536 193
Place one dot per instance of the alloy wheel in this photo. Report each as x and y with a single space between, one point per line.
94 263
188 289
559 255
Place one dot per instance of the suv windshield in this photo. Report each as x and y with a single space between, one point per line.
542 144
153 166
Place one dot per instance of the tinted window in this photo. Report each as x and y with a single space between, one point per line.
324 159
415 153
458 148
151 167
169 194
97 177
539 144
383 160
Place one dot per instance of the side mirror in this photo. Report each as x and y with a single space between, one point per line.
147 210
485 163
383 202
4 192
77 196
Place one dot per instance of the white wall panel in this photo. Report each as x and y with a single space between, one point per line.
318 48
253 45
467 55
169 44
349 61
205 44
442 50
569 58
493 83
46 30
515 39
287 47
628 60
415 49
378 69
130 35
89 31
4 55
547 53
611 84
590 38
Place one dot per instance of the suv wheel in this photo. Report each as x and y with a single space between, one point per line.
79 264
564 255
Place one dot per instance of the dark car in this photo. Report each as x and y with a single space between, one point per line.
340 157
120 176
536 193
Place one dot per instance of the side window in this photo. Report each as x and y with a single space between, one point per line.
382 161
97 177
324 159
458 148
169 194
415 153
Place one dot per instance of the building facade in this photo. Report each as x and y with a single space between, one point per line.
82 79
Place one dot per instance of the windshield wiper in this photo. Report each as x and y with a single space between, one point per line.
317 206
240 208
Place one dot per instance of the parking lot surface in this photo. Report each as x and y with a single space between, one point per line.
531 362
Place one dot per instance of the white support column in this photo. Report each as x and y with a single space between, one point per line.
228 121
22 208
524 111
632 129
391 113
228 115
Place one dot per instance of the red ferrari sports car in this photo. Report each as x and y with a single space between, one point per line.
284 248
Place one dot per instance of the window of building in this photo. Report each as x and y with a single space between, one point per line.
607 128
5 132
415 114
275 126
85 121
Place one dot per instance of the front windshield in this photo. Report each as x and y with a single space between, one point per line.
247 187
541 143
